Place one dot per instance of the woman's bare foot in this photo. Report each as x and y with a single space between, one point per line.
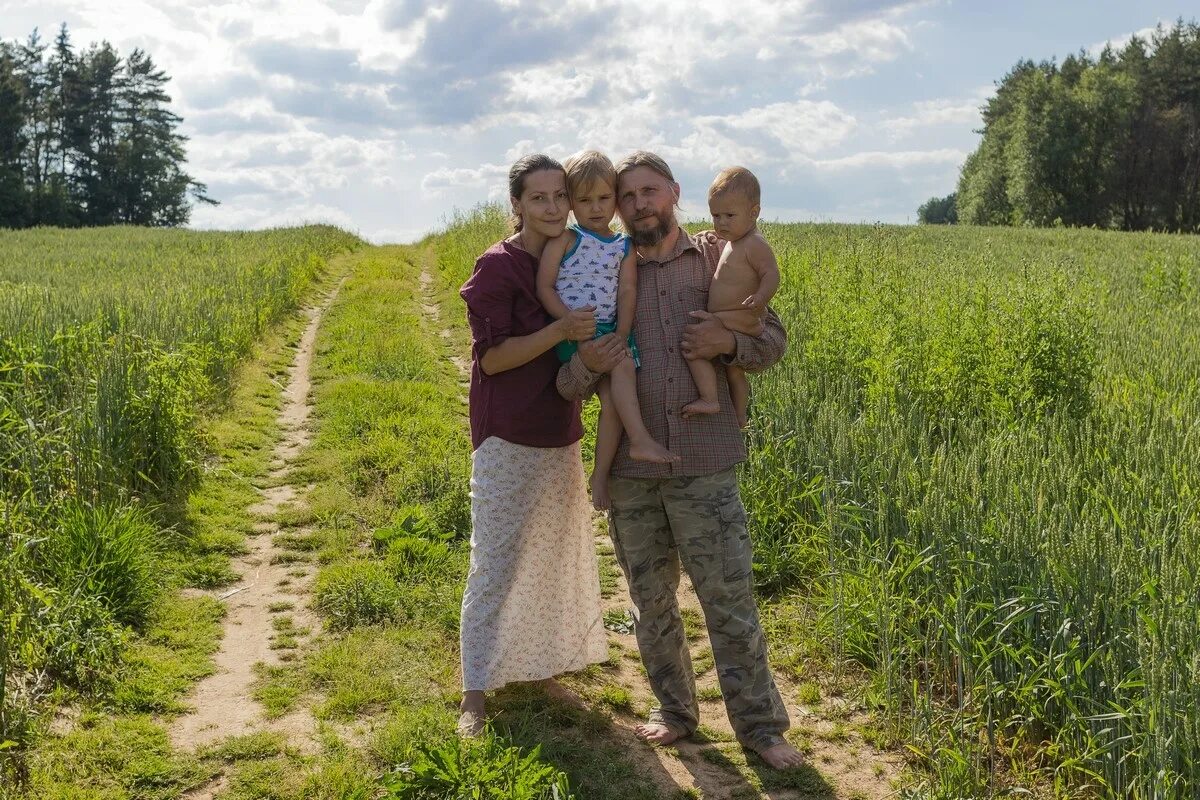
656 733
649 450
471 721
600 498
782 756
700 406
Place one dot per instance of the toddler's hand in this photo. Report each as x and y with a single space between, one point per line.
754 301
580 325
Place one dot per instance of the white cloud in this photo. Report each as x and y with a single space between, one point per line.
386 113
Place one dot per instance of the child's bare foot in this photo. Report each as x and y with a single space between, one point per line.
700 406
600 498
650 450
743 420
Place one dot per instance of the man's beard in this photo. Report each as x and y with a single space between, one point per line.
652 236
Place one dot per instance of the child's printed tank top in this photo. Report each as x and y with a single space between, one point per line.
588 273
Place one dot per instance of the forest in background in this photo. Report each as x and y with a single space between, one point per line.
88 138
1111 141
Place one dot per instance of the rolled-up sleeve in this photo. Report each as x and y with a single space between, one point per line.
489 298
575 381
756 353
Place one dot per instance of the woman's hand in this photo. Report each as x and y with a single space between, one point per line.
579 325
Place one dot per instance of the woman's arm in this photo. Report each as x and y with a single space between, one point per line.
547 273
626 294
516 351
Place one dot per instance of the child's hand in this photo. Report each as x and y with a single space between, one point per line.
580 325
755 301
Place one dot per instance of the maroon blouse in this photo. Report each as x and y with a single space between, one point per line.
521 405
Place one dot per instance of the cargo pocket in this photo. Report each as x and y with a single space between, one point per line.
736 539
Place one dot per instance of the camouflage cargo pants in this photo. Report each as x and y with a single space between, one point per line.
655 525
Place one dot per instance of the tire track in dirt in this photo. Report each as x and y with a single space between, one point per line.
272 578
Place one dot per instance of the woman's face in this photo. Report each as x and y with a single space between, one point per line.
544 203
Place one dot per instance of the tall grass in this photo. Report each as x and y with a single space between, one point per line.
983 452
113 342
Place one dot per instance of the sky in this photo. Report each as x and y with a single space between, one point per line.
387 116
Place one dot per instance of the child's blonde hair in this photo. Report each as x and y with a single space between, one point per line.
586 167
733 179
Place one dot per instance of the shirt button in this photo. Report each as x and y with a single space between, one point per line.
670 349
663 293
670 380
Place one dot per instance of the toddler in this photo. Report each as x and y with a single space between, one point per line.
591 267
746 279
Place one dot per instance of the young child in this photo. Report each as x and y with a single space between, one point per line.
590 267
746 279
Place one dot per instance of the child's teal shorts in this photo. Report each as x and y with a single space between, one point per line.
566 348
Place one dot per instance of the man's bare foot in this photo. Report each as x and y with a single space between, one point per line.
656 733
782 756
700 406
650 450
600 498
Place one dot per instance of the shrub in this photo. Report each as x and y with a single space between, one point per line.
357 593
106 553
479 770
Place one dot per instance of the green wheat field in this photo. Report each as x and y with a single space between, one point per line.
973 485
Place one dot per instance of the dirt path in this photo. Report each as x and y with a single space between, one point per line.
267 616
845 765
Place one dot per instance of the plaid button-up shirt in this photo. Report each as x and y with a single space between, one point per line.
667 291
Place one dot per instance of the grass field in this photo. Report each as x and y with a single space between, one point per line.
972 489
115 345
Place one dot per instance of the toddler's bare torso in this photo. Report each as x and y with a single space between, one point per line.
735 278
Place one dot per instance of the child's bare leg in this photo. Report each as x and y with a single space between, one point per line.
742 321
705 376
642 446
739 393
608 437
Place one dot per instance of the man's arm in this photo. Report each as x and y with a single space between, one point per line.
756 353
708 338
578 377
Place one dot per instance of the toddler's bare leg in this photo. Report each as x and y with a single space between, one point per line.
739 393
704 373
642 446
608 438
742 321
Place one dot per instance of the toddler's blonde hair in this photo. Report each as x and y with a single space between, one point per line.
586 167
734 179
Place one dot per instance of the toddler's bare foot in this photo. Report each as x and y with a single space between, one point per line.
650 450
743 420
600 498
701 406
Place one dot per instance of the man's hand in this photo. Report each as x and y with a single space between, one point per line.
706 338
603 354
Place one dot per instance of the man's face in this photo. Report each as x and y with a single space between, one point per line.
647 203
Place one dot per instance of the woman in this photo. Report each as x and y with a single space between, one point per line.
531 609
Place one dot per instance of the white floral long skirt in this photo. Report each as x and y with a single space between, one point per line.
531 609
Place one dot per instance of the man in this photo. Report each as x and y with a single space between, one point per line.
689 512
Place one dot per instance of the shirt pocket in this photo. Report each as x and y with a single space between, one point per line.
693 298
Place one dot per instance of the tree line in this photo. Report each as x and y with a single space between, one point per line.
1111 141
89 138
